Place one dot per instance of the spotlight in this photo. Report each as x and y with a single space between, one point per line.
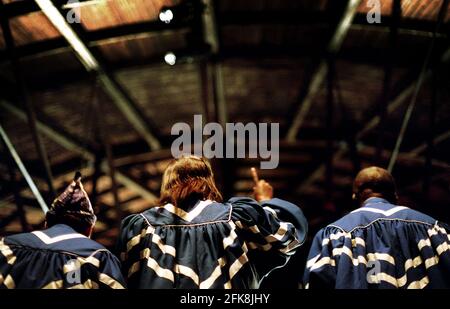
166 16
170 58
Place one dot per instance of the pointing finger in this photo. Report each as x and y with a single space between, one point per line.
254 175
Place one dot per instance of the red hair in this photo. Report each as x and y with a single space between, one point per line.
187 180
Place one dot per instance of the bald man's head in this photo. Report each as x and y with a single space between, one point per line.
374 182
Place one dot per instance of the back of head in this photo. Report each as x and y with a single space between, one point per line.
374 182
187 180
73 208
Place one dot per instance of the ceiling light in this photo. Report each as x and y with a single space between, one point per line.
170 58
166 16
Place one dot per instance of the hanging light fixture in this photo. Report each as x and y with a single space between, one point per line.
170 58
166 16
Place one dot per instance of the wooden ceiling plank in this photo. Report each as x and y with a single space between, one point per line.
320 74
123 100
72 145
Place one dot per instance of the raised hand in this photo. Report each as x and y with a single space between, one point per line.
262 190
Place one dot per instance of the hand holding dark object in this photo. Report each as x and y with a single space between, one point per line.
262 190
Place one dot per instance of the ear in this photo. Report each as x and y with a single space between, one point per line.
89 231
354 196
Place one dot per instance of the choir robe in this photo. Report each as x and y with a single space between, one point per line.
210 245
380 245
57 258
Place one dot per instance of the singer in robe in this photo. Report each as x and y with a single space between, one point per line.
380 244
194 240
63 255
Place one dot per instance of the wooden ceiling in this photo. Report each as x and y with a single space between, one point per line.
269 53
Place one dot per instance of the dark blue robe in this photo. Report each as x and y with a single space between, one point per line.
57 258
211 245
380 245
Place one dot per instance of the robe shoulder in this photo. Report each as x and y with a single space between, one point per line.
242 240
274 210
408 248
57 258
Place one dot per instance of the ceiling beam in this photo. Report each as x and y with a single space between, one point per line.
134 186
390 57
358 56
242 17
147 28
56 80
14 188
10 147
364 149
408 25
211 36
318 77
7 220
119 96
437 140
96 37
371 124
304 17
24 96
409 110
71 145
406 157
56 136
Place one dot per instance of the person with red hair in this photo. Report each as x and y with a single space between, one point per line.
193 239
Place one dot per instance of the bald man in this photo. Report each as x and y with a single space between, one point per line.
380 244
